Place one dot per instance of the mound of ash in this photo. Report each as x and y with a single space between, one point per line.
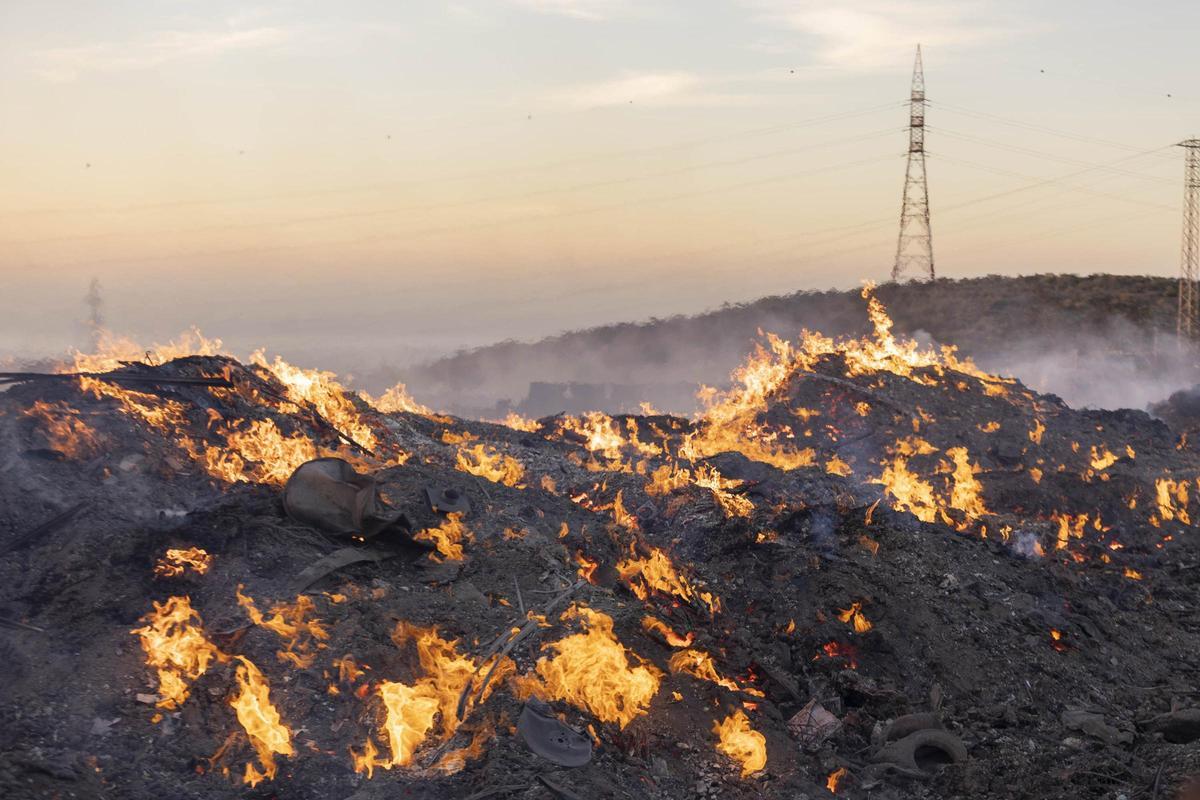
865 569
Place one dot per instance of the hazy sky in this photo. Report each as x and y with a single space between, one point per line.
383 177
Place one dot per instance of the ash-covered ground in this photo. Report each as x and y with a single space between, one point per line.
866 569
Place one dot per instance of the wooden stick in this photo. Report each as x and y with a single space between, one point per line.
504 644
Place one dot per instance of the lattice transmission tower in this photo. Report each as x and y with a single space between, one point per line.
914 250
1187 324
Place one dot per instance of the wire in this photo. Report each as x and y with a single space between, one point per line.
433 230
1010 173
346 215
542 167
1050 156
1034 127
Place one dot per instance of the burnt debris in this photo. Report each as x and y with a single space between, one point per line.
867 569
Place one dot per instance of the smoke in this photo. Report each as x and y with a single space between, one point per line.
1122 366
1101 360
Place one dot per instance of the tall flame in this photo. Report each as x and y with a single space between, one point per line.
261 721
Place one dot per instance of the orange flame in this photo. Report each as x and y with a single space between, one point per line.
486 463
65 431
853 615
666 633
289 621
261 721
448 537
176 561
592 670
176 646
736 739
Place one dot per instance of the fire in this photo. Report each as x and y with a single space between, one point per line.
603 436
413 711
592 670
518 423
854 616
734 505
113 352
1035 434
835 778
396 399
176 561
261 721
965 494
835 466
485 462
666 479
318 389
620 515
448 537
290 622
165 416
909 492
587 566
655 573
1102 458
699 664
259 453
840 650
1171 497
1069 526
666 633
65 431
176 646
736 739
731 420
1132 574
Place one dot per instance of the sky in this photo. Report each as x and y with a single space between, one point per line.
377 182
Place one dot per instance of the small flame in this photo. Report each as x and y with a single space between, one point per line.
176 646
736 739
175 562
853 615
485 462
448 537
65 431
835 778
289 621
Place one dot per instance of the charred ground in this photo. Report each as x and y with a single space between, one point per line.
881 529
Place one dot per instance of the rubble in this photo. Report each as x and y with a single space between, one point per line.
866 569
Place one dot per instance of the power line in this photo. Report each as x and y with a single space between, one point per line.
542 167
506 197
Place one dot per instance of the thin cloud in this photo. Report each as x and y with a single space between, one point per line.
649 89
880 34
163 47
588 10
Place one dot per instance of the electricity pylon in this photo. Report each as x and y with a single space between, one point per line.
914 250
1187 323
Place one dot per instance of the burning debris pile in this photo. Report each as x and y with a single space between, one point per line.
864 569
